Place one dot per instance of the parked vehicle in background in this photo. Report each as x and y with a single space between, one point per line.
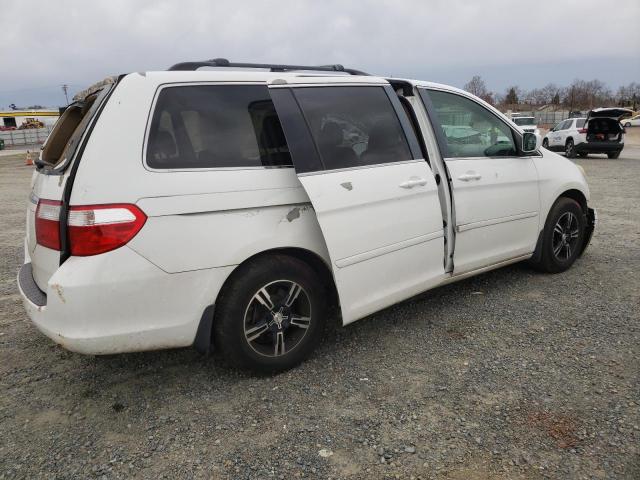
632 121
234 208
599 132
526 123
566 132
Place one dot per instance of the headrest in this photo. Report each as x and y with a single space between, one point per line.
331 134
163 146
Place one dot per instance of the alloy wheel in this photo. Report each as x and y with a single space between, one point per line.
566 234
277 318
569 149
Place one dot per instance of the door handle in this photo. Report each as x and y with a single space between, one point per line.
469 176
413 182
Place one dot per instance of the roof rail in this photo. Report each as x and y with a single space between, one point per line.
223 62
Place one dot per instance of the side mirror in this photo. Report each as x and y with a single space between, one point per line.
531 142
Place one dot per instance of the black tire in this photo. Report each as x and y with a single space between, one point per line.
238 310
628 124
550 260
570 149
614 155
545 143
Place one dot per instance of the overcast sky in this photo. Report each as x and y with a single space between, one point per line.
527 43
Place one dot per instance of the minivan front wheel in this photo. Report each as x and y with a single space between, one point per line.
271 314
562 237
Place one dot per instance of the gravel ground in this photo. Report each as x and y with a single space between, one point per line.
513 374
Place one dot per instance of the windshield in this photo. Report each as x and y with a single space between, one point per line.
524 121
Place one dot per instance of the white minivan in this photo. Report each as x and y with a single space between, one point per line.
230 208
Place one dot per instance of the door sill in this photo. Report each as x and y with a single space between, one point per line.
459 276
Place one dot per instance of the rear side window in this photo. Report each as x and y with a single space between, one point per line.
353 126
216 126
580 123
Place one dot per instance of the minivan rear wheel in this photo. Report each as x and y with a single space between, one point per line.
613 155
270 315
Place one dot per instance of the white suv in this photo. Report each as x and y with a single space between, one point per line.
599 132
234 208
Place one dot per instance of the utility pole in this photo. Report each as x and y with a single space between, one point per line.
65 89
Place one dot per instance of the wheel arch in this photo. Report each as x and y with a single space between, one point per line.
203 342
572 193
576 195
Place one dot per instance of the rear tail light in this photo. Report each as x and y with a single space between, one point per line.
582 130
95 229
48 223
91 229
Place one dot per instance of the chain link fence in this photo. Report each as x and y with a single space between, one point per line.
548 119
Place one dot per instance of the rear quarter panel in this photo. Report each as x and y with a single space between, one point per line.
197 218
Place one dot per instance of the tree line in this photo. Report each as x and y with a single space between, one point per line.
580 95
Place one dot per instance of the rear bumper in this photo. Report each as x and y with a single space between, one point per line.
28 287
599 147
119 302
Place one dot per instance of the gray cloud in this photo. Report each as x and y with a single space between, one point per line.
48 43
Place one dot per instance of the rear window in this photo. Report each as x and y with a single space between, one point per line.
580 122
68 130
216 126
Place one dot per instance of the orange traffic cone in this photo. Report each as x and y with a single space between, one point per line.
28 160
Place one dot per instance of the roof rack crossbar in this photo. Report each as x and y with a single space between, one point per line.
223 62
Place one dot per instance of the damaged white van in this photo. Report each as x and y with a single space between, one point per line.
230 208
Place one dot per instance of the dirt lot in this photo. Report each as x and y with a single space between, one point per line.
509 375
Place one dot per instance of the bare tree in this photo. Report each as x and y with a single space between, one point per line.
476 86
537 96
629 95
583 94
580 95
551 92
